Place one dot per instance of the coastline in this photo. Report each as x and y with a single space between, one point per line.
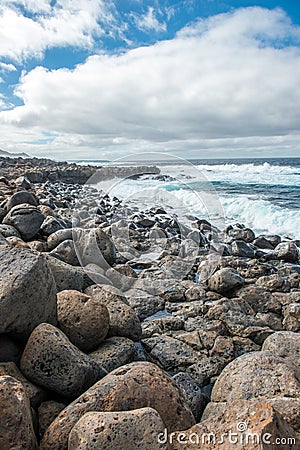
213 316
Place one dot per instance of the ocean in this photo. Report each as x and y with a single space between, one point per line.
262 194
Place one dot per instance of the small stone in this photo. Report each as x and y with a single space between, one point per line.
83 319
138 429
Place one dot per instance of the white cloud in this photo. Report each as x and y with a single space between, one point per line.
4 67
218 84
67 23
149 21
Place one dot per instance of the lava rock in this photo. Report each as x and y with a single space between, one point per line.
26 219
52 361
114 352
287 251
27 292
225 280
83 319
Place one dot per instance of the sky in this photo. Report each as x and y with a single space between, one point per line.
101 79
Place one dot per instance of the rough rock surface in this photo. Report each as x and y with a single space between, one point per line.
26 219
136 385
285 344
52 361
225 280
137 429
114 352
16 428
243 424
259 375
83 319
27 292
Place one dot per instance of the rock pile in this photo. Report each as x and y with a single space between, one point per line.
94 355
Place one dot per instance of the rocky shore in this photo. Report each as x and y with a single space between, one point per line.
128 352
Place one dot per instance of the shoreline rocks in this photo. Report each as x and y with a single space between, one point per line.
173 324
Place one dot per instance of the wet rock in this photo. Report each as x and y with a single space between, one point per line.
285 344
25 301
114 352
15 416
136 385
26 219
122 430
241 248
20 198
35 393
225 280
52 361
194 396
287 251
258 374
242 234
83 319
47 412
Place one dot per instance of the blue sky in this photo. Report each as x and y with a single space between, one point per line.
101 79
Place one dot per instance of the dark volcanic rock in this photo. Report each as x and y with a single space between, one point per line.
26 219
52 361
27 292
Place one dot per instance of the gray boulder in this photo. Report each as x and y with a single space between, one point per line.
225 280
52 361
26 218
27 292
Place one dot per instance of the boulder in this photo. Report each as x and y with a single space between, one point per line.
16 428
259 375
52 361
9 231
58 237
287 251
144 304
114 352
136 385
122 430
285 344
225 280
66 276
94 247
27 292
35 393
83 319
244 424
27 219
52 224
197 401
66 252
291 321
241 248
242 234
47 412
123 321
20 198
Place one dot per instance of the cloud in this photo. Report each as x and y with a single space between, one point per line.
4 67
149 22
67 23
230 81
